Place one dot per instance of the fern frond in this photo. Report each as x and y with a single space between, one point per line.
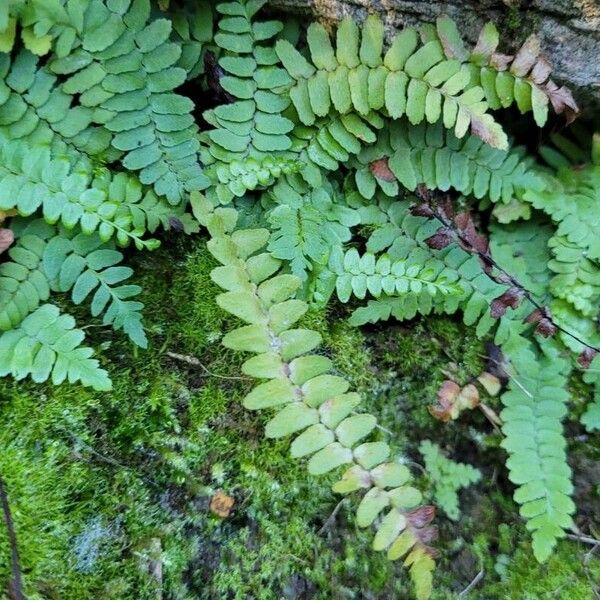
34 105
23 283
401 235
570 319
571 199
577 278
447 477
412 78
523 80
85 266
125 73
47 345
521 248
310 403
41 24
534 407
357 275
307 226
46 258
192 31
333 140
430 155
71 189
250 133
401 308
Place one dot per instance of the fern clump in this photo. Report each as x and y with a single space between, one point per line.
321 165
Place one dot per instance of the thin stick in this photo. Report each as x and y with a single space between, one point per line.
473 583
194 362
331 517
15 586
586 539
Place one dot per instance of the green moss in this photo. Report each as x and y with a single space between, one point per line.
568 574
104 487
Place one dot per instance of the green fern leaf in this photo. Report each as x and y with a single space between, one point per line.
88 268
306 228
47 345
410 79
534 407
23 283
447 477
427 154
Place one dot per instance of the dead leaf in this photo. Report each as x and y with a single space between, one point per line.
441 238
6 239
467 229
421 210
511 298
586 357
468 398
452 400
427 535
221 504
544 324
541 71
423 193
381 170
500 62
420 517
526 56
562 100
491 384
446 397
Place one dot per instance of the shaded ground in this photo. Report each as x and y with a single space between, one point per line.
110 492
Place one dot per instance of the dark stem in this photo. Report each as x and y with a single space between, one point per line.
486 258
15 590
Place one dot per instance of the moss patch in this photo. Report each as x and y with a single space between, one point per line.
110 492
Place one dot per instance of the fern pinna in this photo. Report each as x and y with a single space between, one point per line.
325 165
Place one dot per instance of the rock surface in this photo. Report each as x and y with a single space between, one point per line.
569 29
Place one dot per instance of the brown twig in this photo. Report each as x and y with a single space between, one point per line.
194 362
15 590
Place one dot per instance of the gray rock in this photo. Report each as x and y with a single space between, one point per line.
569 29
